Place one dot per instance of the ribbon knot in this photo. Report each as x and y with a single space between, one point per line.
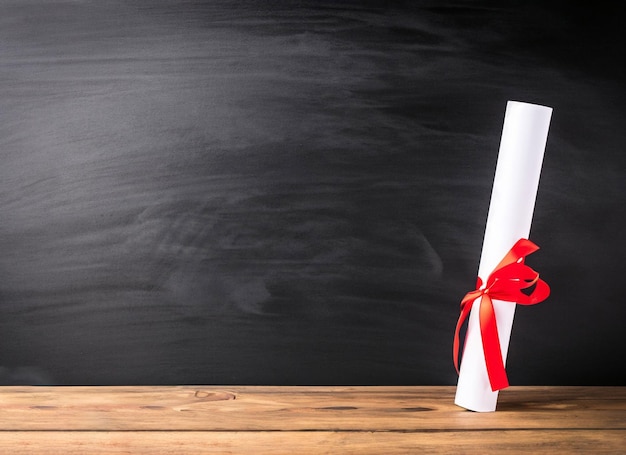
510 281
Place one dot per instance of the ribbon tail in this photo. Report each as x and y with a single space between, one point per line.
491 345
457 334
466 306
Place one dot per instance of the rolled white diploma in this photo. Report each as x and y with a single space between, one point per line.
522 146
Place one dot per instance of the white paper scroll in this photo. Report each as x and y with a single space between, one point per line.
510 214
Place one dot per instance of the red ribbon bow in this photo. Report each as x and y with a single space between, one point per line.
507 282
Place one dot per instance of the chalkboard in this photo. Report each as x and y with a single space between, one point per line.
295 192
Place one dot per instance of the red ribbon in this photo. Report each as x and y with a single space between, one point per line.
507 282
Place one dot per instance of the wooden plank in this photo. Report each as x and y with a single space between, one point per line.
315 442
252 408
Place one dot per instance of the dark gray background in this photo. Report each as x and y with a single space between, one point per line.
230 192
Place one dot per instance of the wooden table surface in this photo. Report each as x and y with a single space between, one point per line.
303 420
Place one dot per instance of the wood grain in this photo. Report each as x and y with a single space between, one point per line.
331 442
272 420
